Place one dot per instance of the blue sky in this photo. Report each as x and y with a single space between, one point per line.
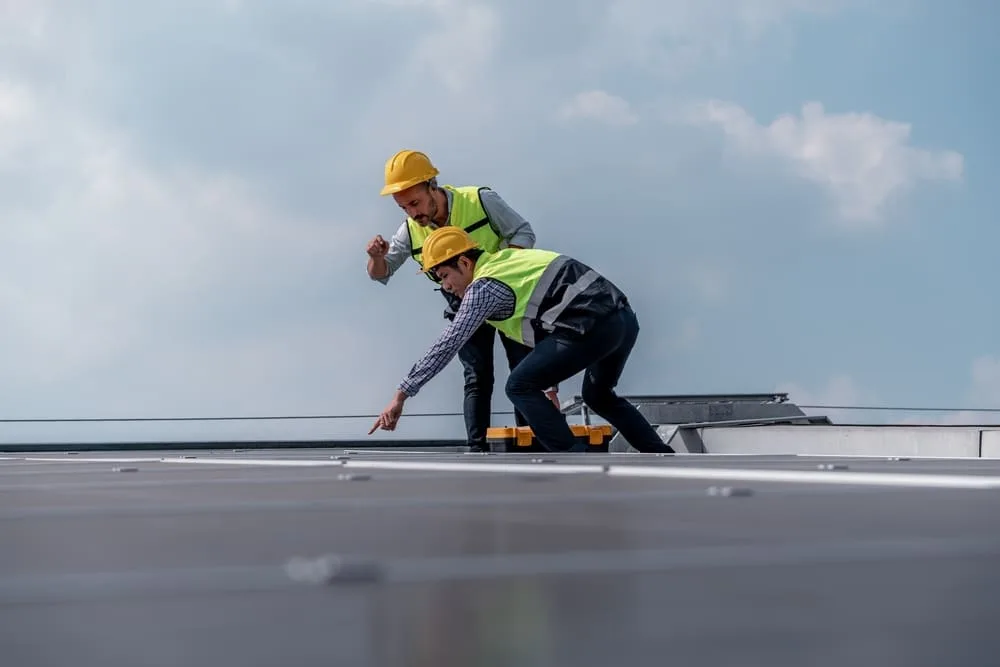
795 193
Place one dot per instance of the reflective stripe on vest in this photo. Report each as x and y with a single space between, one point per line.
530 273
467 213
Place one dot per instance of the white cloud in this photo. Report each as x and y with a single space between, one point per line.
985 391
839 390
185 200
24 18
139 284
601 106
15 106
111 261
862 161
441 85
983 394
670 37
457 53
708 280
410 4
687 334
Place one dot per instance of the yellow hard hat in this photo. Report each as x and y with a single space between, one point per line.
444 243
405 169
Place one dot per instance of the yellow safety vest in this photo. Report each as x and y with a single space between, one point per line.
467 213
552 291
530 273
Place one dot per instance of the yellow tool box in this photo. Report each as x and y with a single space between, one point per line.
522 439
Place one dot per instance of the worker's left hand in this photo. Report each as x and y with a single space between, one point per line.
553 396
390 416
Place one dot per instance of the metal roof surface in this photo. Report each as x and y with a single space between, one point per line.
298 557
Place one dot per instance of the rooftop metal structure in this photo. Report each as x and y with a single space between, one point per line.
691 408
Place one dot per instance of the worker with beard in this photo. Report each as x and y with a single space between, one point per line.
411 180
573 319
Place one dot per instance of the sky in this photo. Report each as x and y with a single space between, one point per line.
793 193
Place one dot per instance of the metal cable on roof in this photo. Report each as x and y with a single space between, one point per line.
40 420
889 408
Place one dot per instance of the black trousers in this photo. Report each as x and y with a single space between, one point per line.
477 362
602 354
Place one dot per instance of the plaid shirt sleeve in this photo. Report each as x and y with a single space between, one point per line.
485 299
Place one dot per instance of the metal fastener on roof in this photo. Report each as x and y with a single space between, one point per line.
331 569
728 491
354 477
538 478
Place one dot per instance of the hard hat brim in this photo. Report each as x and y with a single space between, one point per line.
452 255
399 186
393 188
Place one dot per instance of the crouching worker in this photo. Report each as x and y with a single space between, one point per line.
573 318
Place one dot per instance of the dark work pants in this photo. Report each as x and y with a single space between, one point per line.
477 361
602 353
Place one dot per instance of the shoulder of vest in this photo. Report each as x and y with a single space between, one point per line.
467 189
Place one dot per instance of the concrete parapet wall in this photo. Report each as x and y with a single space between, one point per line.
949 441
991 443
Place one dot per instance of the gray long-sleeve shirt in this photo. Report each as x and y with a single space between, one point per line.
505 221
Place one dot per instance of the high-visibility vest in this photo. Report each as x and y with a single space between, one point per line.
552 291
467 213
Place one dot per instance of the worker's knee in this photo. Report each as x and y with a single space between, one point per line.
519 384
513 386
597 396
